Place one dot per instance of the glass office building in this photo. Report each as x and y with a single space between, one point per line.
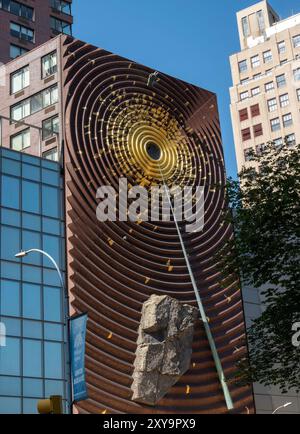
33 364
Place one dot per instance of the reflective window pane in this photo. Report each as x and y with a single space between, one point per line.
30 160
10 192
10 357
32 329
50 177
10 298
53 332
32 274
31 301
50 200
12 326
31 240
30 197
31 172
52 304
53 360
51 245
9 270
32 358
10 386
10 217
51 278
51 226
31 221
30 406
10 405
33 388
53 387
10 243
11 167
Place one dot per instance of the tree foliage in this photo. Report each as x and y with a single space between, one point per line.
265 252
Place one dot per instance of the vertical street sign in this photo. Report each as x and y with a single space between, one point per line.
77 356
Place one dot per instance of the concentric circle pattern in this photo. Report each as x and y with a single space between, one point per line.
114 112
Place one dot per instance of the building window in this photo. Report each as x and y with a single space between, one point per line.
297 74
272 104
248 153
296 41
258 130
278 142
255 62
50 127
243 115
244 95
291 140
268 57
257 76
21 110
255 91
243 66
16 51
17 8
49 64
61 6
35 103
280 80
281 47
287 120
245 26
21 140
19 79
298 94
60 26
284 100
260 149
21 32
255 110
275 124
52 154
245 81
260 20
246 134
269 86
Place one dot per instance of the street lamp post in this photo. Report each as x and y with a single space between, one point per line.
22 254
282 406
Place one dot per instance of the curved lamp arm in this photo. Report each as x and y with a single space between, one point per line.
25 253
282 406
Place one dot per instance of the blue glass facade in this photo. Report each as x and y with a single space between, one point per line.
33 364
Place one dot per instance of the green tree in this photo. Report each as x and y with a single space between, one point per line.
265 252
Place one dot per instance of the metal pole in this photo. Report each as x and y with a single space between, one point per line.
66 309
209 335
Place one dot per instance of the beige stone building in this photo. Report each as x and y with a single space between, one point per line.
265 97
265 106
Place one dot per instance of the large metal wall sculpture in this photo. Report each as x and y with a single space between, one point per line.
112 111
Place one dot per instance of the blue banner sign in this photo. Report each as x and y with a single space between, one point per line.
77 355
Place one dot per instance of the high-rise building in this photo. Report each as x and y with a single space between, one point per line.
265 97
34 359
27 24
265 107
103 116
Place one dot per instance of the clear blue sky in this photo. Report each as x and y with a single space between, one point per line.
189 39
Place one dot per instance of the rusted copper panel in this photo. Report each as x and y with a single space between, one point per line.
106 96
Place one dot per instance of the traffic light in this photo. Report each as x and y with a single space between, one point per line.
53 405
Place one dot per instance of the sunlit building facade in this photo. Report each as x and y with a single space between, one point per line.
97 113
